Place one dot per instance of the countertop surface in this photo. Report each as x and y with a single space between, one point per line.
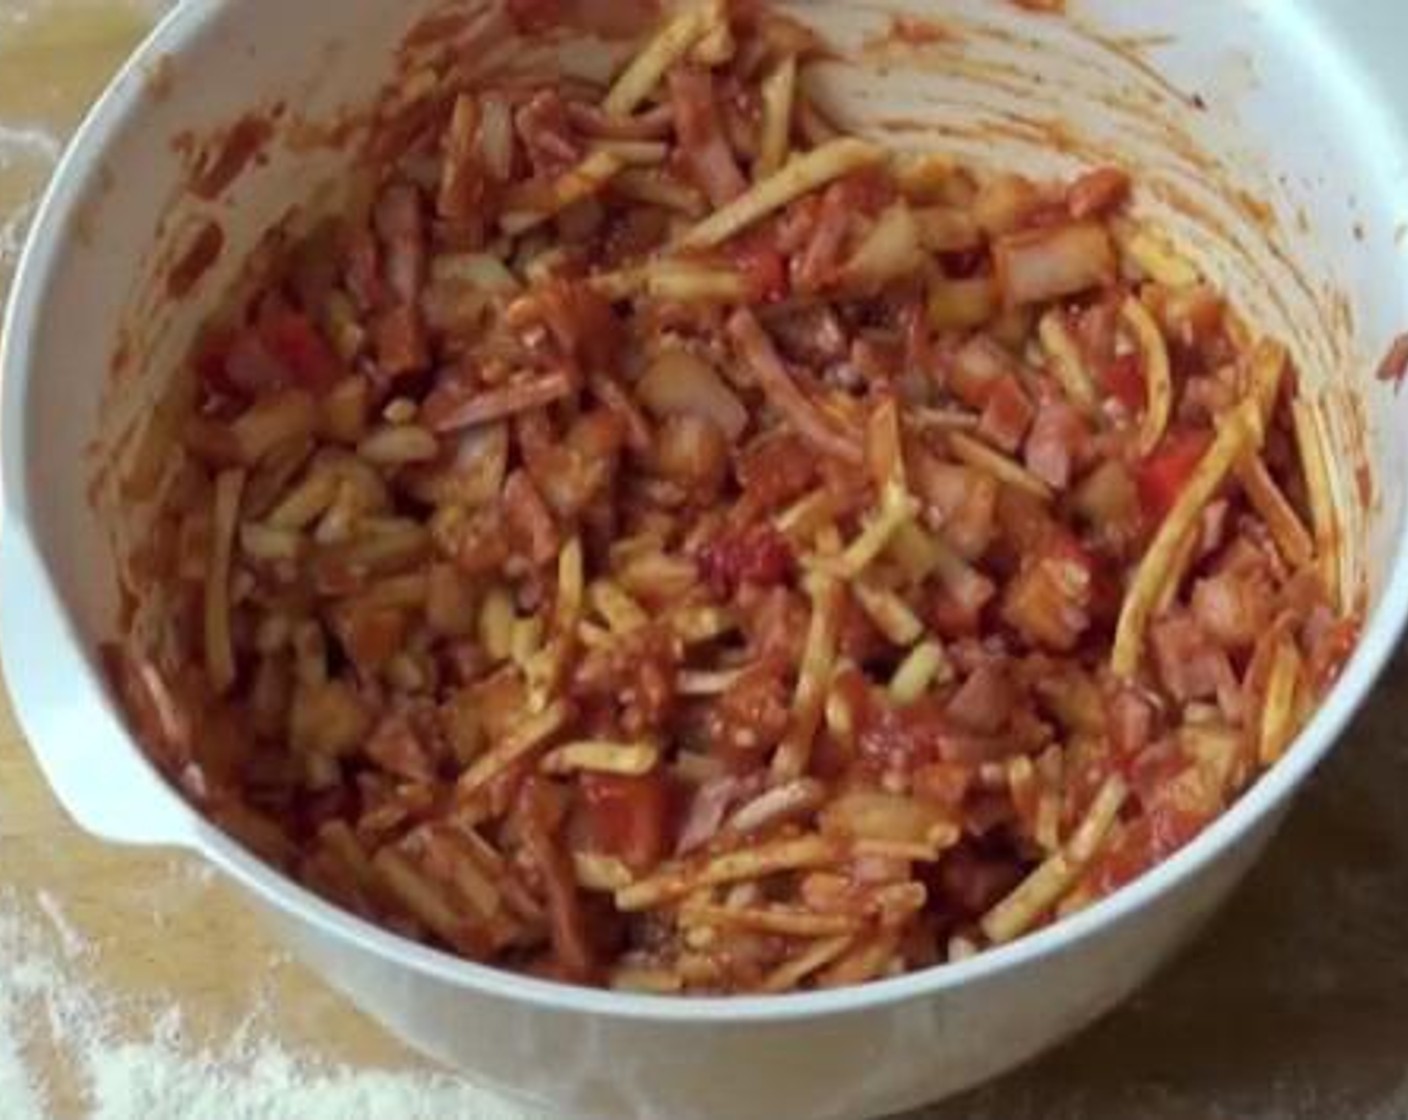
136 985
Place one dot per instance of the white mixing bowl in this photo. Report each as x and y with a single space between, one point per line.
1273 137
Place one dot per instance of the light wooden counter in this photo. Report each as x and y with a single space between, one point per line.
1293 1007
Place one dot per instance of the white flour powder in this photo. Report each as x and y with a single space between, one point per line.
53 1017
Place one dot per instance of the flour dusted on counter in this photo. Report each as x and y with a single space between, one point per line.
156 1081
62 1054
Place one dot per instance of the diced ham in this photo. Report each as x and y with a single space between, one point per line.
985 701
1214 526
956 608
776 470
543 124
395 747
775 622
530 519
786 395
1205 397
761 266
1057 443
1007 415
752 714
363 273
977 368
958 500
1189 664
580 320
248 367
649 124
706 810
1234 609
399 339
1130 720
1049 602
701 135
400 223
820 259
795 225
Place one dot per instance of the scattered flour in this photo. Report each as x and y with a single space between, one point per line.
50 1007
70 941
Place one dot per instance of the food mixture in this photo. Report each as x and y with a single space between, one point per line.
651 539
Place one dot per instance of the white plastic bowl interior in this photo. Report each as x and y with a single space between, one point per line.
1297 105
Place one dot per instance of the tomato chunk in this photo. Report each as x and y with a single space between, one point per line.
1162 476
759 555
295 343
629 816
1123 379
763 267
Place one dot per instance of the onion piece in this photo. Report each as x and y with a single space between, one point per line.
494 141
1044 264
679 383
873 815
478 270
957 305
891 251
947 229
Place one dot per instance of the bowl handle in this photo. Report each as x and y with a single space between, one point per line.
77 736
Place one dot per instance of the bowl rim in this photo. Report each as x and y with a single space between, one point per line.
119 107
